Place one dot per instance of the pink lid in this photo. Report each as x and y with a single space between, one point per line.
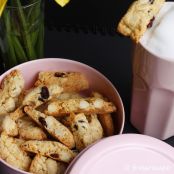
125 154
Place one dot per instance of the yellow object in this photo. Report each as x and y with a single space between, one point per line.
2 6
62 3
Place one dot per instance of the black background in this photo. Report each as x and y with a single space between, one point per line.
85 30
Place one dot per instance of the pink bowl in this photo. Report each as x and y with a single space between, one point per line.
97 81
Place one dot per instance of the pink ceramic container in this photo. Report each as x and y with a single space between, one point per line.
97 83
125 154
152 96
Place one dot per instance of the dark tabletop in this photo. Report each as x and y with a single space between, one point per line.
85 31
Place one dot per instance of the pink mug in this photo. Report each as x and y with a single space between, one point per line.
152 111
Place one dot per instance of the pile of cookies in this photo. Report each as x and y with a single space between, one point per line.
42 129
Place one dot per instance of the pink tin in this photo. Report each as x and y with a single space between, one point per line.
98 82
125 154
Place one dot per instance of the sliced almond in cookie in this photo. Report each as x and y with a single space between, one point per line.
83 105
52 149
53 126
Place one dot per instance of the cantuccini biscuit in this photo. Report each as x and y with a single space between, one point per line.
69 81
105 119
83 105
107 124
11 152
9 126
53 126
11 87
41 94
28 129
95 127
43 165
139 17
51 149
81 130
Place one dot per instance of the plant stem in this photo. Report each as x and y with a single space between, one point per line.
40 45
20 53
29 47
13 60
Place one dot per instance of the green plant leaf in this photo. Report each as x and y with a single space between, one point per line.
12 57
19 50
27 40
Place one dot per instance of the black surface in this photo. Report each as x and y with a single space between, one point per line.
94 16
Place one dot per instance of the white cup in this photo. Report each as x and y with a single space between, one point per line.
152 111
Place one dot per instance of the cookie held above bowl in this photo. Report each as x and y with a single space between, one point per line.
58 138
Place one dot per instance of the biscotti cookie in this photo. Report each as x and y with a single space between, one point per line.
139 17
11 152
11 87
105 119
69 81
83 105
28 129
43 165
41 94
95 127
107 124
9 126
53 126
81 130
51 149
